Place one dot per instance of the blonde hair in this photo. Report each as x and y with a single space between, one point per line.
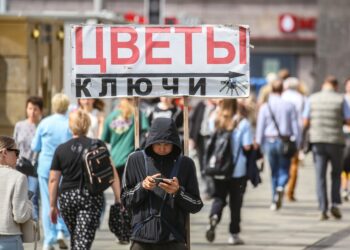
126 108
6 142
60 103
79 122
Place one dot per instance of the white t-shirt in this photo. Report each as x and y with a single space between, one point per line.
94 117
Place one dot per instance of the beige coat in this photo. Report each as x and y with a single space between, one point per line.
15 206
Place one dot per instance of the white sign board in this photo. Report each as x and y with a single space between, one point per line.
152 61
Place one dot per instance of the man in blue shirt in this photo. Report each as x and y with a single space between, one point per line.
268 138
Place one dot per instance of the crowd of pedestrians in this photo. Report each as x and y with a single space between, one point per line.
157 185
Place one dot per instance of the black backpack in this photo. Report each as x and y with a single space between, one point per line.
97 168
218 155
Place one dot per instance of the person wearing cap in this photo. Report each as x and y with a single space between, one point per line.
160 209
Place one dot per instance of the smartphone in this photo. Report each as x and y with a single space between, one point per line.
159 180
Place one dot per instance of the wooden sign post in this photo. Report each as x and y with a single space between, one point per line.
186 153
137 116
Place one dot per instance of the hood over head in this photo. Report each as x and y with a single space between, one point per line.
163 130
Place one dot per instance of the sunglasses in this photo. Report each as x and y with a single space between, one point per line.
14 150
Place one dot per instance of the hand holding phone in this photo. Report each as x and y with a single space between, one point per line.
171 186
163 180
149 183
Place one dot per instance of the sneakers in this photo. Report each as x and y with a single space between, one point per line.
50 247
234 239
345 195
210 234
277 199
324 216
61 241
336 212
273 207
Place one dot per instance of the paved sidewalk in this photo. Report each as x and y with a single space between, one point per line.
295 227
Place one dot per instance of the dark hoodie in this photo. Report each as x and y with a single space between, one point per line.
145 203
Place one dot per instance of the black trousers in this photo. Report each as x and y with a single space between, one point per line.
120 171
81 212
148 246
235 188
200 147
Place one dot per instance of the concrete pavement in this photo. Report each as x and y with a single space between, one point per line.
295 227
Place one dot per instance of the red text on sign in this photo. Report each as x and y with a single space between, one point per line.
153 46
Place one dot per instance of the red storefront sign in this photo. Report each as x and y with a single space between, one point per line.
290 23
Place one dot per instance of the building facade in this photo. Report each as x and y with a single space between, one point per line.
283 32
283 35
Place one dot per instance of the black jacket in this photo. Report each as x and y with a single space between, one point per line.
146 205
195 120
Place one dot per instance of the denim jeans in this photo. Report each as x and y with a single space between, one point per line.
324 153
33 187
279 164
13 242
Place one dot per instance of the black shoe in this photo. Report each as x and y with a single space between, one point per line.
324 216
62 244
279 197
336 212
210 234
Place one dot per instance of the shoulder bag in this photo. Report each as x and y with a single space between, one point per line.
288 147
30 232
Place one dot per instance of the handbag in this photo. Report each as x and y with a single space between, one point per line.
26 167
306 144
288 147
30 231
119 222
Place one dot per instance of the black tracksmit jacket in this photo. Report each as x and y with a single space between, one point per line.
146 205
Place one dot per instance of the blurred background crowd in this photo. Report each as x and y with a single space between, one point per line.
299 88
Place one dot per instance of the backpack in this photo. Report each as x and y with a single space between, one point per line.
97 168
218 155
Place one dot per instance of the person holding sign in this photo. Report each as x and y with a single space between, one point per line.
166 108
160 187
